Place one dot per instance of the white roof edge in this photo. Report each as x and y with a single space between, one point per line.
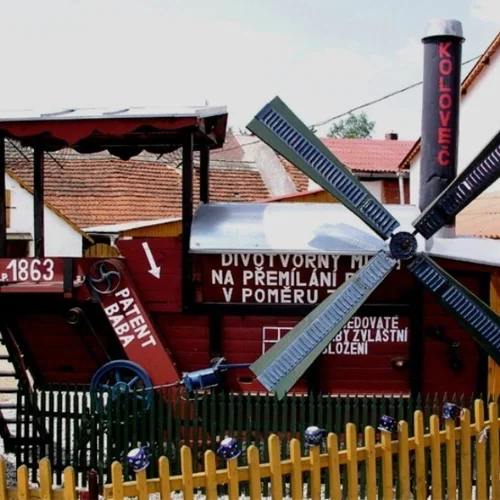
68 113
127 226
475 250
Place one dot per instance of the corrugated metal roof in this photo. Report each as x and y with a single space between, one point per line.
18 115
289 227
317 228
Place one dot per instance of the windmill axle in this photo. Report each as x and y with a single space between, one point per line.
403 246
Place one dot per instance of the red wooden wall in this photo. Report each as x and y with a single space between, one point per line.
61 353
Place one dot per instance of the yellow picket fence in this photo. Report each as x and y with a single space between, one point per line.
474 463
46 491
487 477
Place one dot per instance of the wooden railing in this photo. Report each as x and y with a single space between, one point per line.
451 476
409 467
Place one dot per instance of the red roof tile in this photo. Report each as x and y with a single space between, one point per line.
98 191
359 155
481 218
231 151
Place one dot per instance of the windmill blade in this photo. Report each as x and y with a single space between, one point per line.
473 314
478 176
279 127
279 368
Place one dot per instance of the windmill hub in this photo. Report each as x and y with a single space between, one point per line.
403 246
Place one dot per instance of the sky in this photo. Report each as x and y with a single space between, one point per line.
322 57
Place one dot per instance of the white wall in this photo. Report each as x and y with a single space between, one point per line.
61 240
479 112
375 188
272 171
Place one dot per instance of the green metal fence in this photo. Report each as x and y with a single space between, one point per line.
90 432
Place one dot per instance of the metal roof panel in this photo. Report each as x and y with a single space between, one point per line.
19 115
476 250
289 228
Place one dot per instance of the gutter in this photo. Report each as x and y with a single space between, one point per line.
378 175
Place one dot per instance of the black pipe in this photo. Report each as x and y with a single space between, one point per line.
440 109
38 202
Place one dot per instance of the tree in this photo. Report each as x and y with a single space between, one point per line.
313 129
353 127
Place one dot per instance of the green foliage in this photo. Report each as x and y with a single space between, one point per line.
353 127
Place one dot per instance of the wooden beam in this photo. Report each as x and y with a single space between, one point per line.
493 368
204 174
3 204
38 202
187 219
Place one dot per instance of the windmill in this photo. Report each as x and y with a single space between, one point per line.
443 196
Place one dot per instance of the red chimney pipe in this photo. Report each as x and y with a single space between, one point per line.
440 110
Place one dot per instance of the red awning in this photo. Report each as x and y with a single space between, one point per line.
124 133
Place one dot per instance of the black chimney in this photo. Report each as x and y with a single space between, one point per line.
391 136
440 109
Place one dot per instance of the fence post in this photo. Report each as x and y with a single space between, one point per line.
3 480
420 456
451 459
210 476
465 455
315 472
494 447
45 479
69 488
371 464
23 483
387 479
164 470
333 466
275 465
232 479
296 476
187 473
352 462
141 482
117 480
403 460
437 489
254 473
481 485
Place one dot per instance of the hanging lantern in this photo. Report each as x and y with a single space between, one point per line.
388 424
229 449
313 435
138 458
451 411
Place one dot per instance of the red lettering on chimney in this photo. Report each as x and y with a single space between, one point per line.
443 157
443 50
444 117
442 85
445 102
444 135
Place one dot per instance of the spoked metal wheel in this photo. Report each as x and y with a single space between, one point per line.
122 380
